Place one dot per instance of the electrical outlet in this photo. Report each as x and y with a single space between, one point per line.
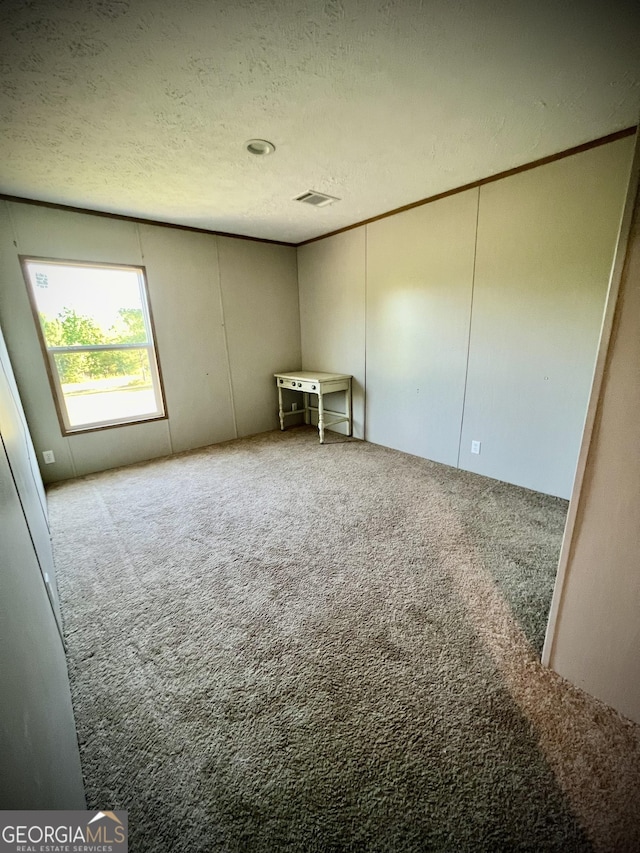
475 447
48 457
294 407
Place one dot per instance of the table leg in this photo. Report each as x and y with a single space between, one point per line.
349 411
305 403
280 409
321 418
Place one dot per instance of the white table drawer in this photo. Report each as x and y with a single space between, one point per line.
299 385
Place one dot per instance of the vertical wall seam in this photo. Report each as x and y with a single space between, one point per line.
366 279
139 236
71 456
168 419
301 362
466 370
14 231
226 344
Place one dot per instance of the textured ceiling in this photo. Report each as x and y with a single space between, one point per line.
142 107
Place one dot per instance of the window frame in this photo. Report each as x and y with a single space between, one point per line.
49 353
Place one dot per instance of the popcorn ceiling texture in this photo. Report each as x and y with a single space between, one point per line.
142 107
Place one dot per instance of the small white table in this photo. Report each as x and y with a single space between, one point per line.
311 382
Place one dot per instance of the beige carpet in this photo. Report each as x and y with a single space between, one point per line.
276 645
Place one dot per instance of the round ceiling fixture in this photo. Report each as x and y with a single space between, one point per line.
260 147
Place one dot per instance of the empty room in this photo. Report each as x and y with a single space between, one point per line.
319 399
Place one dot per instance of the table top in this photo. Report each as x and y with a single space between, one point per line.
312 376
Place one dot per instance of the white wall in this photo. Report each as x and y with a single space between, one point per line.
218 345
545 244
184 288
594 631
331 275
262 319
483 312
472 317
419 283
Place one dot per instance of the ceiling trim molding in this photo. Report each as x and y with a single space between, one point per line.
577 149
123 217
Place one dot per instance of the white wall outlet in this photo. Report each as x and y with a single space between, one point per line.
294 407
48 457
475 447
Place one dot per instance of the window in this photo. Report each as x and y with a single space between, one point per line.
96 331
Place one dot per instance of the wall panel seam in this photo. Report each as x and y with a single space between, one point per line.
364 379
14 230
226 343
168 418
300 361
466 368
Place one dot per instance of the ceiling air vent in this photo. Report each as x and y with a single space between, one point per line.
316 199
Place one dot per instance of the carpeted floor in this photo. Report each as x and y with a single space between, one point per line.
280 646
